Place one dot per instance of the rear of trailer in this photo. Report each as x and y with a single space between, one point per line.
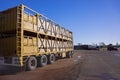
29 39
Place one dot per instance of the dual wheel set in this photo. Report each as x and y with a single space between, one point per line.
33 62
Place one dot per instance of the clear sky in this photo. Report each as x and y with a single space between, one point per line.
91 21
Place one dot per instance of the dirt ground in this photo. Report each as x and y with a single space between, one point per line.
85 65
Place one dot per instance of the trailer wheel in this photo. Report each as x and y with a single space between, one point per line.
42 61
69 55
51 59
59 55
31 63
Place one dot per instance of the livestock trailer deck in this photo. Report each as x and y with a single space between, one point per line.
27 38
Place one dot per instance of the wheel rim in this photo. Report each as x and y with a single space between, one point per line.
32 63
44 60
52 58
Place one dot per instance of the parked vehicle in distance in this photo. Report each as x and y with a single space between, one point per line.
86 47
110 47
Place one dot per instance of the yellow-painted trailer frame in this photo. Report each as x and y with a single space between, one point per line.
29 39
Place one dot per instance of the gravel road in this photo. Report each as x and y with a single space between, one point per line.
85 65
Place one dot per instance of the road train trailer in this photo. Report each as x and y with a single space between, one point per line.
29 39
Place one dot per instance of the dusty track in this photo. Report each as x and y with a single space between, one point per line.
93 65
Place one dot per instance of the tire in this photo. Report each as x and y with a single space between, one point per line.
31 63
51 59
42 61
69 54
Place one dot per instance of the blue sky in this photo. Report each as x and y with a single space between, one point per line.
91 21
